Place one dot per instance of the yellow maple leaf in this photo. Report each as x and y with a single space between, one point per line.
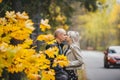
11 15
44 25
22 15
61 60
48 75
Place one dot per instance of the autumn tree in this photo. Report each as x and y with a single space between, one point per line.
101 27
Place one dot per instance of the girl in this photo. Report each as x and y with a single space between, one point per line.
73 55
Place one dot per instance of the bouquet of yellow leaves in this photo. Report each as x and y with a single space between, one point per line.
21 57
60 60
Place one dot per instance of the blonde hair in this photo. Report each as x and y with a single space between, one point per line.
74 35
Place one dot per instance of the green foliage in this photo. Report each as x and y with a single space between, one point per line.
49 9
90 5
4 6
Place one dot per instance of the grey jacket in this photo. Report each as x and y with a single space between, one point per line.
73 55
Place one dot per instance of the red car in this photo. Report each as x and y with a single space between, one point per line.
112 56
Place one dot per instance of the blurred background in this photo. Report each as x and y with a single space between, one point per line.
98 21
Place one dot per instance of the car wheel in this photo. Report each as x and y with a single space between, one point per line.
106 64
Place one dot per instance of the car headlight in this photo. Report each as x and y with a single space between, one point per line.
111 58
108 58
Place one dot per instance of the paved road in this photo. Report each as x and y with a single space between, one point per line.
94 67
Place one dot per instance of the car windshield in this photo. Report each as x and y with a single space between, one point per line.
115 50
